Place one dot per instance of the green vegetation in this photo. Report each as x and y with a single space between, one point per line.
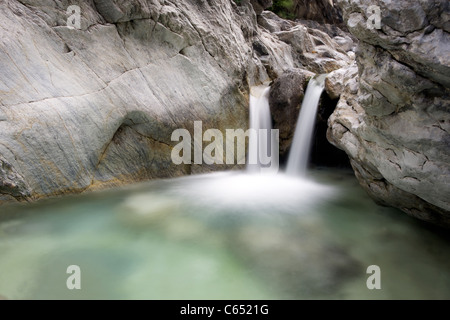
283 8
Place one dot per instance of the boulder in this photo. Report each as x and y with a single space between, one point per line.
394 122
285 99
273 23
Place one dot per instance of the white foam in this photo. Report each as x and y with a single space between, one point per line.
254 191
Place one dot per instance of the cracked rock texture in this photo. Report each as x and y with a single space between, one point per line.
316 49
83 109
393 117
96 107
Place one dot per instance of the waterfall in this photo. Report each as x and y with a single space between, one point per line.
261 138
301 145
261 141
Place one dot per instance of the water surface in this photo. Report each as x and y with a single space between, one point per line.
221 236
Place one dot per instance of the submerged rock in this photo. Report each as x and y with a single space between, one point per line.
303 262
147 209
394 122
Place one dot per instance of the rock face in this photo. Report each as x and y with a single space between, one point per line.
393 117
95 106
316 49
84 109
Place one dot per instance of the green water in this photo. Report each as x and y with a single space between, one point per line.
221 237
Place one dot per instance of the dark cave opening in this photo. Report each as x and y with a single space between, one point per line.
323 153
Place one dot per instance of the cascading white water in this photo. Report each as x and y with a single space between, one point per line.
261 140
301 145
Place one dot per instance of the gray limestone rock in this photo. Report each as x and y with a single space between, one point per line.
394 122
285 99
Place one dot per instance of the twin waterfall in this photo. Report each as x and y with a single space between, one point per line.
260 118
